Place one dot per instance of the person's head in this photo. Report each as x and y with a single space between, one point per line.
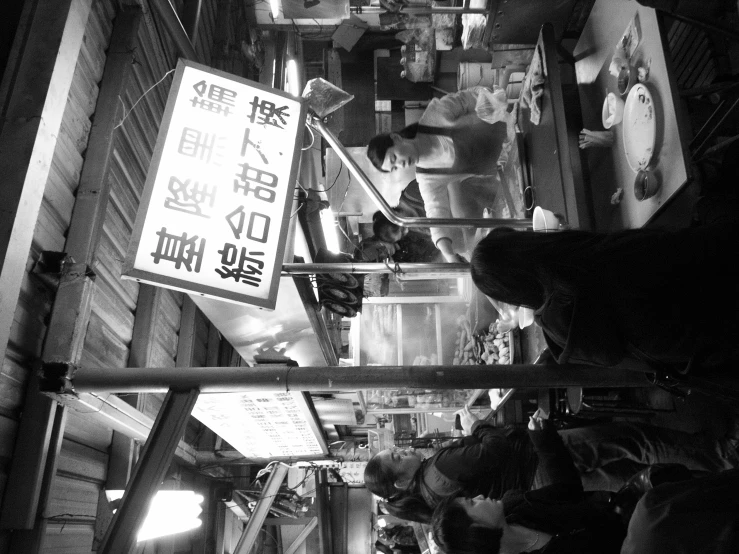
385 230
393 151
469 525
391 471
521 267
503 272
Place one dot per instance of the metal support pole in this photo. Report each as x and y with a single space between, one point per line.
357 172
280 377
149 472
251 531
432 270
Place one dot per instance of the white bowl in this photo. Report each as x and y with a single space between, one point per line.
544 220
613 111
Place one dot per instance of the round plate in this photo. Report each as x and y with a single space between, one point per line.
640 127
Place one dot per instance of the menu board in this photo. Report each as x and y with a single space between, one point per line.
263 424
214 214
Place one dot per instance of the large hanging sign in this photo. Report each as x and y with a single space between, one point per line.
214 214
315 9
263 424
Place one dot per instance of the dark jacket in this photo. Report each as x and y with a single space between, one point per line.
562 508
664 298
694 517
487 462
417 248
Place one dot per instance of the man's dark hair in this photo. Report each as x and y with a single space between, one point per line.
454 530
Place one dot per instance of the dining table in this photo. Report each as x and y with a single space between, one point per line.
551 163
608 166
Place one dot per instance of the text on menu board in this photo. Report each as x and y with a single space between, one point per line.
263 424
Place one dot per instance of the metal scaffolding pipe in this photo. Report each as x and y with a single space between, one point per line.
369 267
280 377
357 172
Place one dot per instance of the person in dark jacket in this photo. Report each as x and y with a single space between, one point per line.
664 300
491 461
556 518
700 516
412 245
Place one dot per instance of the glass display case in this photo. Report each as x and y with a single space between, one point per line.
398 401
411 330
407 330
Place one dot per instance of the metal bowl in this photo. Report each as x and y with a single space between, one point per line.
626 79
646 184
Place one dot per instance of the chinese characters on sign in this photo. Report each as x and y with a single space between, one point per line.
263 424
214 214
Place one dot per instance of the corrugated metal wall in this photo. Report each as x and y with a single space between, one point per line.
84 455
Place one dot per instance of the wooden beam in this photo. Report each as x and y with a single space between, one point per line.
172 24
300 539
93 192
323 513
191 18
34 454
31 540
25 477
249 536
214 346
160 447
279 521
30 124
149 472
110 411
186 341
143 340
121 458
220 527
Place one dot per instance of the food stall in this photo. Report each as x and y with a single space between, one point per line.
422 329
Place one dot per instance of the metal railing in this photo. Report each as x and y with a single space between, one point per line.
463 223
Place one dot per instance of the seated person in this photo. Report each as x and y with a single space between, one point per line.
700 516
555 518
411 244
374 249
610 298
